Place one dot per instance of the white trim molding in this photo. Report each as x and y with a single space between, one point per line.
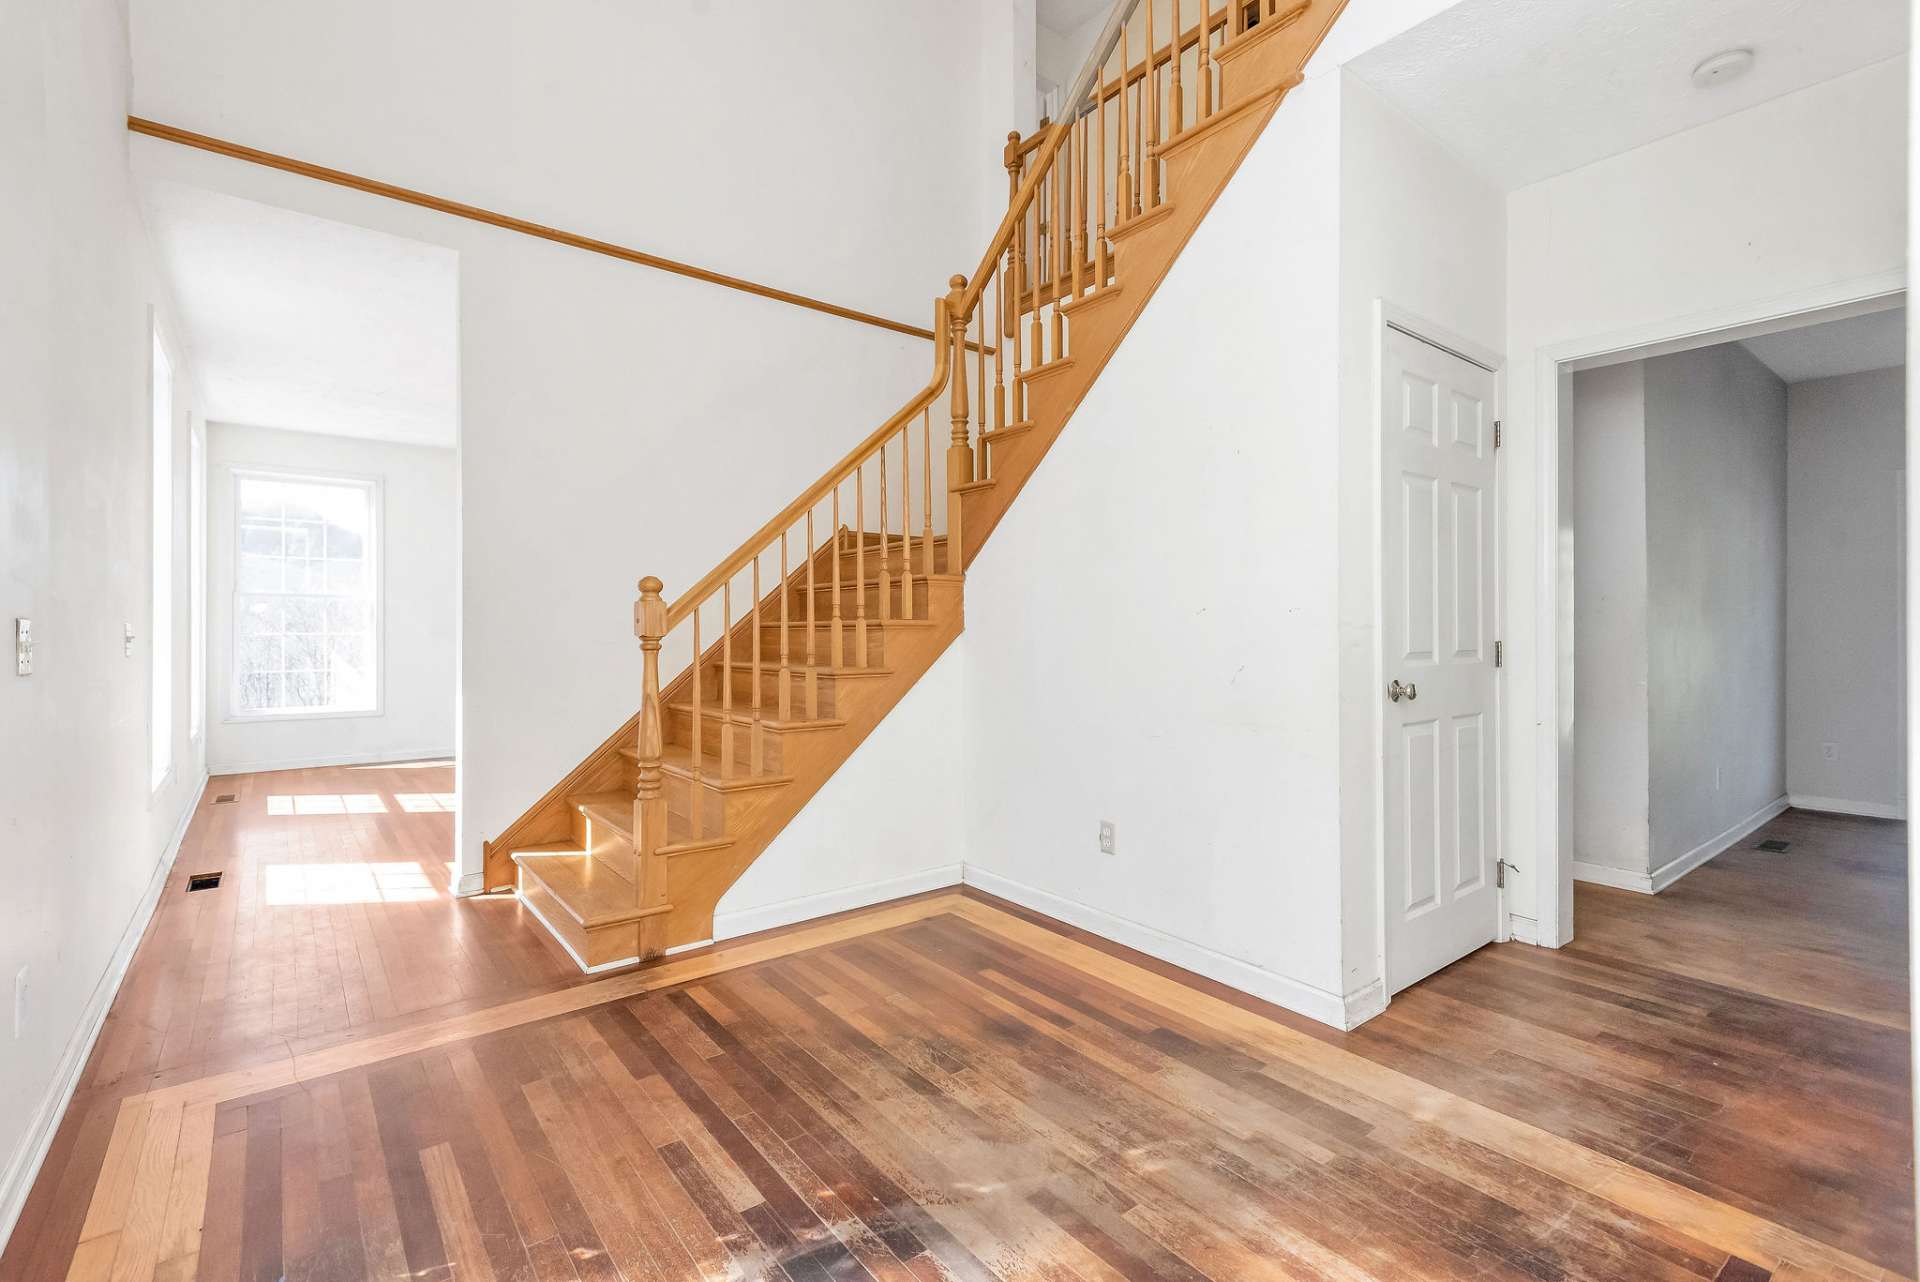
1674 869
336 759
729 924
24 1165
1330 1008
1841 806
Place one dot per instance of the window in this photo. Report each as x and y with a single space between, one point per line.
305 596
160 626
197 580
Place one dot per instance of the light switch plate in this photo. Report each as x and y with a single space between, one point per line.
23 647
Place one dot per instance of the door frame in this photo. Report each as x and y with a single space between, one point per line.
1551 746
1389 316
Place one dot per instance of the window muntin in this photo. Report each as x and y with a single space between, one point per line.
304 599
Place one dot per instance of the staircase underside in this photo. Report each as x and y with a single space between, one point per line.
571 855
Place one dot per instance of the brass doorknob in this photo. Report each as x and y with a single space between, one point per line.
1397 692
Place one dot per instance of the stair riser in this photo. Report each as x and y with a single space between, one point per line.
850 597
613 848
823 644
851 567
679 729
835 691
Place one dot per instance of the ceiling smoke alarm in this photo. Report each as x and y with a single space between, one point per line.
1728 64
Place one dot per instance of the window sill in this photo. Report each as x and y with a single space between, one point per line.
258 718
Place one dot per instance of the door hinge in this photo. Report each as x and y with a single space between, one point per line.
1499 654
1496 434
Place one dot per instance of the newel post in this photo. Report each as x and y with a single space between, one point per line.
649 797
959 450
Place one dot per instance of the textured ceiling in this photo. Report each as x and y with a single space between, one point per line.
1525 89
1877 340
305 323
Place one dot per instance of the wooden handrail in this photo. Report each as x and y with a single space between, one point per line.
506 222
687 602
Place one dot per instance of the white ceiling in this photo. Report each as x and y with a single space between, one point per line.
1852 345
1526 89
305 323
1066 16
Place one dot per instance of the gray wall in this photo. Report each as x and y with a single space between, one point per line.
1609 516
1716 594
1845 443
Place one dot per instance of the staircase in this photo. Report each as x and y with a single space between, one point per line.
793 648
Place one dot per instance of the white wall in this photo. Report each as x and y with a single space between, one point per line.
84 840
1845 469
618 422
1423 234
1716 499
865 837
1797 200
1145 642
419 555
1609 518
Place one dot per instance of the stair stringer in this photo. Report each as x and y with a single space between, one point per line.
1260 71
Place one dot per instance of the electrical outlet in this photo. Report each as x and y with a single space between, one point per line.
19 1002
23 647
1106 836
1830 752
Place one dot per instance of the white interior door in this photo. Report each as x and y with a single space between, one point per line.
1437 581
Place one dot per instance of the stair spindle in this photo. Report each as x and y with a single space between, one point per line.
926 492
1062 244
1037 355
1122 175
1203 67
959 451
886 576
1150 118
698 762
1176 102
786 670
906 523
859 566
838 644
813 624
756 761
999 378
1100 183
649 796
726 679
981 463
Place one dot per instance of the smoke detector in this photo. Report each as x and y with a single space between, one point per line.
1728 64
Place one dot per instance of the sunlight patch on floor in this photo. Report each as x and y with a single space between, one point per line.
326 803
420 803
291 885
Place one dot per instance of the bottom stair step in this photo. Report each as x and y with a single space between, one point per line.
592 910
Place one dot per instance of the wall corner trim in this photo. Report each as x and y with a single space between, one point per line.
23 1167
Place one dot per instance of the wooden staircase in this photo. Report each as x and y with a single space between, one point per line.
800 642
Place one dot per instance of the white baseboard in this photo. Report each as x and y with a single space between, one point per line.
1673 870
1839 806
335 759
1526 930
1618 878
24 1166
1315 1003
745 921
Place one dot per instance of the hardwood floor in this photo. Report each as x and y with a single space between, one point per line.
1709 1083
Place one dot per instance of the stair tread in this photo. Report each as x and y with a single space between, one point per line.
590 892
678 759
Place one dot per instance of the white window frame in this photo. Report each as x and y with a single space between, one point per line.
378 545
197 580
161 600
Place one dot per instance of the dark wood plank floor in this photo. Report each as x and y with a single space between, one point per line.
1707 1084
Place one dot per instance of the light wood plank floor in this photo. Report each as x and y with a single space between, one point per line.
333 1073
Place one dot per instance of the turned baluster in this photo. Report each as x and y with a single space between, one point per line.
981 462
838 644
786 670
1203 64
755 760
886 575
1100 184
813 625
1150 121
959 451
726 679
1122 174
1176 96
926 495
859 567
906 522
649 794
999 380
1062 243
697 692
1038 354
